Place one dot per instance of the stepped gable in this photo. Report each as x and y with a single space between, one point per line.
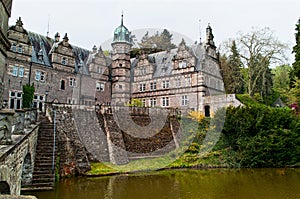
163 65
42 47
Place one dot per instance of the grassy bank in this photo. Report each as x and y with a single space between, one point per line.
252 136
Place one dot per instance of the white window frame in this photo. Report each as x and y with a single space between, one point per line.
165 102
72 82
184 100
152 86
188 81
15 71
39 101
99 70
100 86
177 82
165 84
142 87
21 71
182 64
15 99
39 75
152 102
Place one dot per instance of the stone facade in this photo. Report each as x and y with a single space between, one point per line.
5 11
73 154
17 160
63 73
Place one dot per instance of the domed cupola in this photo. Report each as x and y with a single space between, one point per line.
122 34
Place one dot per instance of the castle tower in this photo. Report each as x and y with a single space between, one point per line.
121 46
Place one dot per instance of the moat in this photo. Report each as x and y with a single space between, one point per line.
184 184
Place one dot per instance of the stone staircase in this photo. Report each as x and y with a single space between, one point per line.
44 172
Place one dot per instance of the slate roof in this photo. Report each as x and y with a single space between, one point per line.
163 60
42 45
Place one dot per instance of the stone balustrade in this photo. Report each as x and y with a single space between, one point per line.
14 122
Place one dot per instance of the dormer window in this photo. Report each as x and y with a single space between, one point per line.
64 61
99 69
20 49
182 64
14 47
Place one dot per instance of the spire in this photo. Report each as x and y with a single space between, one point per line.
209 36
19 22
122 18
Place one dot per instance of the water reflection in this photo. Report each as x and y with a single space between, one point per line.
189 184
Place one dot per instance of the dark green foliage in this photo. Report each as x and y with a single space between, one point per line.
28 92
262 136
231 71
296 50
160 41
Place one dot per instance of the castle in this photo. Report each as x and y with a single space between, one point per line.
187 76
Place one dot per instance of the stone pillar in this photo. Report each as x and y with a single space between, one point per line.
6 121
19 123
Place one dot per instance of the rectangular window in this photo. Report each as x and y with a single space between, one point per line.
153 102
152 86
142 87
165 101
184 100
15 99
72 82
100 86
37 75
21 72
20 49
39 102
15 71
188 81
178 82
144 102
99 70
165 84
42 76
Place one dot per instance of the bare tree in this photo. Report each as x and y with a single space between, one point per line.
258 50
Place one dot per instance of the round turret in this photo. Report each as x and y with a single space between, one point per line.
122 34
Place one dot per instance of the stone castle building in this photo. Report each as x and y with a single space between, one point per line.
185 77
5 12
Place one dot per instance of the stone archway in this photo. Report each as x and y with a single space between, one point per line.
27 170
4 188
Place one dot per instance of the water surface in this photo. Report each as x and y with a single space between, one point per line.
184 184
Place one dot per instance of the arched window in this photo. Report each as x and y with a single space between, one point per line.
62 84
207 111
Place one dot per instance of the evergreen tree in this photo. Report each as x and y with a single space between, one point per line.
235 65
160 41
231 73
296 50
28 93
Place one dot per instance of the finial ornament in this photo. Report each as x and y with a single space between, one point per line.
122 18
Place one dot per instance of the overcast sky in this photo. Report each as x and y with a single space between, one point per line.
92 22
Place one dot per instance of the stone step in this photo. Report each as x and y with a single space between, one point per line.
33 188
42 172
43 184
42 179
